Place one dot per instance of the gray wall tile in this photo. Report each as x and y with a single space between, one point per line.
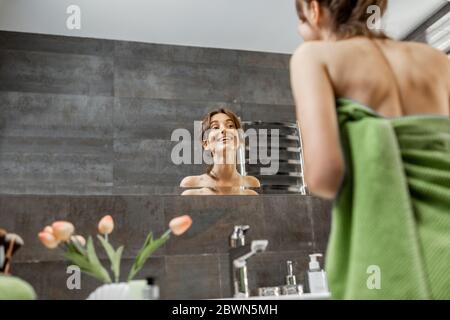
68 171
265 86
149 51
57 44
268 112
214 219
192 277
148 162
156 79
321 213
158 118
55 116
288 223
264 59
29 71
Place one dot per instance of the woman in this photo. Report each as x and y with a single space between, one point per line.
374 114
220 136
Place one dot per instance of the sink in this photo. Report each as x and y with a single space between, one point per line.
305 296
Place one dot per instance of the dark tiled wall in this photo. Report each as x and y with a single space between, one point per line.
91 116
192 266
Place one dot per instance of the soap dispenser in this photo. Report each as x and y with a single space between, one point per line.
317 278
151 290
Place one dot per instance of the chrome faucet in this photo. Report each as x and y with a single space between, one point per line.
239 254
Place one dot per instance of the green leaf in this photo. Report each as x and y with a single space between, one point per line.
148 240
145 252
83 263
95 262
116 262
77 246
78 259
112 255
108 247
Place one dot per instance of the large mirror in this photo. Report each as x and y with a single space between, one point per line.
242 157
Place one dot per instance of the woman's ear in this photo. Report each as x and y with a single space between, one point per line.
316 12
205 144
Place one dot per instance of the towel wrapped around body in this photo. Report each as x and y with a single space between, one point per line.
390 234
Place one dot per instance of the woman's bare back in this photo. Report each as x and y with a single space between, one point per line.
393 78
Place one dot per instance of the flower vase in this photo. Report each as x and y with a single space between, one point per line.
132 290
111 291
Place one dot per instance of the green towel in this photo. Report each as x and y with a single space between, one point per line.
393 209
13 288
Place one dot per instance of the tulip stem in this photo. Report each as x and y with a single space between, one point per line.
106 237
167 233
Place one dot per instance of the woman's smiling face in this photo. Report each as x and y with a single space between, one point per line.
222 134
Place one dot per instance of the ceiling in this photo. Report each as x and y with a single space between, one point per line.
257 25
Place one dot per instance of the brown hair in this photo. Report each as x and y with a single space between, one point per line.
206 124
348 17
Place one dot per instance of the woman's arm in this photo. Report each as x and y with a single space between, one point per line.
316 113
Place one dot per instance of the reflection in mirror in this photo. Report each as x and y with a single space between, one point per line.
220 191
274 154
246 157
222 137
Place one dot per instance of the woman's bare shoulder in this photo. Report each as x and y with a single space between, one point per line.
252 182
318 53
188 181
192 181
310 50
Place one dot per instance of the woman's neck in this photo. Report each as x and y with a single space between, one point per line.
225 167
224 172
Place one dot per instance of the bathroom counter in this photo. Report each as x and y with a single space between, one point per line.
306 296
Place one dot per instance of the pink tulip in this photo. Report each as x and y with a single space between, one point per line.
48 229
62 230
179 225
48 240
106 225
78 239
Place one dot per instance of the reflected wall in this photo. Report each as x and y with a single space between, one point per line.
92 116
